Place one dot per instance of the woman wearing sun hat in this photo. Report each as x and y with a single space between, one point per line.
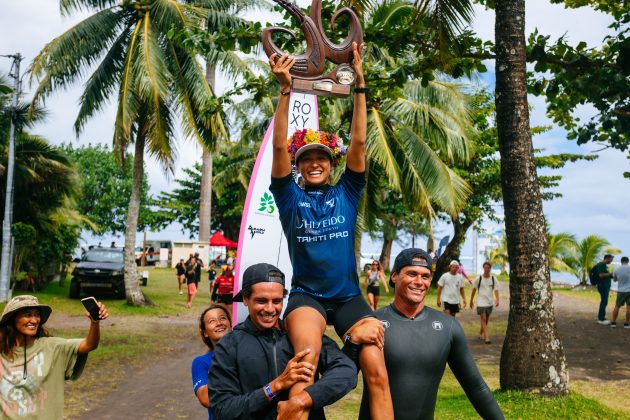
34 365
319 224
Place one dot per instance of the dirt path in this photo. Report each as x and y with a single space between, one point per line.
161 387
593 351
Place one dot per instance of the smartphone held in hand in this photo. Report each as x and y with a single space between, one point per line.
92 307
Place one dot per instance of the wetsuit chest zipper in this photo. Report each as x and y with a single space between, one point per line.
275 359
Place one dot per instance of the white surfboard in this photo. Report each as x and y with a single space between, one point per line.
261 239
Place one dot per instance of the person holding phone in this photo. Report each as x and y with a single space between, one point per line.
214 323
34 364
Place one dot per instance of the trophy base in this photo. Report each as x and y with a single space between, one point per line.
321 88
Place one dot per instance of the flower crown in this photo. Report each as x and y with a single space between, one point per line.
301 138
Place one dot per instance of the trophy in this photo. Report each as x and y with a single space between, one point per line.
307 72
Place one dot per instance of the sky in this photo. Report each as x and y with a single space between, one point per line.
595 194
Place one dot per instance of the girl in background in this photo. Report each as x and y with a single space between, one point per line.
214 323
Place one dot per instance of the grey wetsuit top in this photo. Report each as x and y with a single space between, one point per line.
416 353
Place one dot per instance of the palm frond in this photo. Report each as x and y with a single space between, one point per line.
65 59
378 149
101 86
68 6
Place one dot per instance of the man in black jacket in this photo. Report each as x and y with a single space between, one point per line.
254 366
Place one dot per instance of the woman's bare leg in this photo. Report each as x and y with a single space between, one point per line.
370 297
376 299
305 327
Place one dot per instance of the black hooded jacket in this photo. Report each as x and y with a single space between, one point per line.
247 359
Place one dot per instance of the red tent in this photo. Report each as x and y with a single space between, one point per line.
219 240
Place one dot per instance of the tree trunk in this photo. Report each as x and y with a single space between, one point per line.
135 297
205 199
453 249
205 195
386 253
532 356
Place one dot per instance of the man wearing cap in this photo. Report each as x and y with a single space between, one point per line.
34 365
419 341
254 366
450 288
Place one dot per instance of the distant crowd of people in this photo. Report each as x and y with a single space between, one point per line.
189 273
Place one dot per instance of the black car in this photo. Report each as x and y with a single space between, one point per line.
101 270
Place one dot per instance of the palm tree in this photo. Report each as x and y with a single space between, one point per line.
411 140
154 78
223 14
562 249
532 355
45 183
498 254
589 251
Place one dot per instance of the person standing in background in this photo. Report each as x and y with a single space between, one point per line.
180 269
622 275
452 284
603 287
373 278
212 275
486 286
191 281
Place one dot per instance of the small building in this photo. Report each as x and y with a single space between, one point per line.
183 249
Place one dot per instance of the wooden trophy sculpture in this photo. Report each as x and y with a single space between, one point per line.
307 72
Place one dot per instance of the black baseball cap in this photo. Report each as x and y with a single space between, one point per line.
405 258
259 273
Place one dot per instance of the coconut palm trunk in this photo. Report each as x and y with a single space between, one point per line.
205 195
532 355
134 295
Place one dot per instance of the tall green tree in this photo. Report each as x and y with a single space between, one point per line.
154 80
181 205
223 17
45 217
569 75
534 359
105 185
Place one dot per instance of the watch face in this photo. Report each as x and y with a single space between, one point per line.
345 75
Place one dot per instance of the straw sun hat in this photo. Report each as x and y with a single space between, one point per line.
24 302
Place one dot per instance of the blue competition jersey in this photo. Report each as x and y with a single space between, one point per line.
319 226
200 367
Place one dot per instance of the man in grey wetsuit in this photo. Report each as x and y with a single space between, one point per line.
419 341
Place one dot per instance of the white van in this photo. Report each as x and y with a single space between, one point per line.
152 251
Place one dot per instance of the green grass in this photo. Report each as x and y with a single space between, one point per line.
161 289
452 403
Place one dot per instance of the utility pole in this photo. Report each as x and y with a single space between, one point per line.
6 259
